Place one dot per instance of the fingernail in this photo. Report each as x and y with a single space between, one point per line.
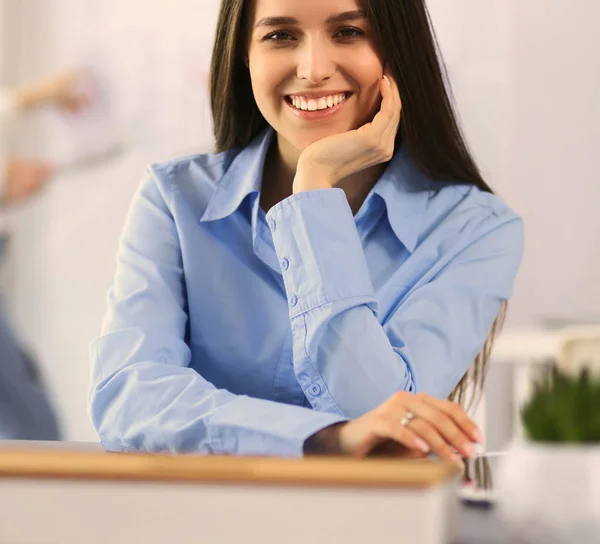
469 450
387 81
478 436
422 445
457 461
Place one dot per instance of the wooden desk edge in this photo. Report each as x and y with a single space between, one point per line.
327 472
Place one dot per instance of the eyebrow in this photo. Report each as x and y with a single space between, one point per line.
339 18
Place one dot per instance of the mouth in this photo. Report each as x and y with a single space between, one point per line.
317 108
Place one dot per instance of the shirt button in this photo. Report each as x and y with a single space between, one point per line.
293 300
285 264
315 389
273 225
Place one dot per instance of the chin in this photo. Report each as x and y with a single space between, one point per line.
301 139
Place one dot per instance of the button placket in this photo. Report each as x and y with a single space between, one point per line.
314 390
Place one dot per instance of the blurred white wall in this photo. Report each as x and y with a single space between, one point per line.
526 75
527 80
556 140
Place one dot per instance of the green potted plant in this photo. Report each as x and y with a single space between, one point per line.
550 483
564 409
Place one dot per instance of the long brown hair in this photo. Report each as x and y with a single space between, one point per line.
429 128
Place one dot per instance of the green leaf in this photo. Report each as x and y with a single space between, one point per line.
563 408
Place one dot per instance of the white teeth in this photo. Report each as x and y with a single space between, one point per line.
314 104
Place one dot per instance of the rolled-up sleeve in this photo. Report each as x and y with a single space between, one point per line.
143 394
346 360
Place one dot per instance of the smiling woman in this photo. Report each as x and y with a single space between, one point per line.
325 279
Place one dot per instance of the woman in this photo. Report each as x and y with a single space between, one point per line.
323 281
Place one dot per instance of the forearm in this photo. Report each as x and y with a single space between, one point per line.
158 407
354 358
342 357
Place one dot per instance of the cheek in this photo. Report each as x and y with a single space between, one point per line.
371 94
266 77
368 70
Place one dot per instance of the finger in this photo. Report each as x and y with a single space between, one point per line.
395 92
436 442
377 127
390 428
444 425
35 182
391 107
47 171
384 126
42 177
396 106
458 415
385 116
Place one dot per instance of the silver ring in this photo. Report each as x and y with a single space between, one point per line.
407 419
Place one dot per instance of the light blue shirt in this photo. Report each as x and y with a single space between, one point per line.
232 331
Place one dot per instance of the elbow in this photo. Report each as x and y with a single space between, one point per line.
126 419
109 421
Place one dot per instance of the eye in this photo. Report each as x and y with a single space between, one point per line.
277 36
350 32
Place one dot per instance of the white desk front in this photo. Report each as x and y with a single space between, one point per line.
71 497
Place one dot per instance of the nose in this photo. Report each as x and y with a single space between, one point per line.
315 62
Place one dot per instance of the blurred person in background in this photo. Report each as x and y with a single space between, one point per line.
25 412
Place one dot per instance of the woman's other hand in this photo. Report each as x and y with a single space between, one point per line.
406 425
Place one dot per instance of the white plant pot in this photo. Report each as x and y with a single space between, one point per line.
551 492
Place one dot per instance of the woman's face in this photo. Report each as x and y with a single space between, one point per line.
314 67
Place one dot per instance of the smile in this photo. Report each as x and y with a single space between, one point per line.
317 108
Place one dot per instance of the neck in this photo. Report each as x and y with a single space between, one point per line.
280 169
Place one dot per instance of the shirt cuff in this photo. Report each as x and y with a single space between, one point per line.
319 250
250 428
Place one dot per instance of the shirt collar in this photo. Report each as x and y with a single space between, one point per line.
243 177
405 191
402 187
